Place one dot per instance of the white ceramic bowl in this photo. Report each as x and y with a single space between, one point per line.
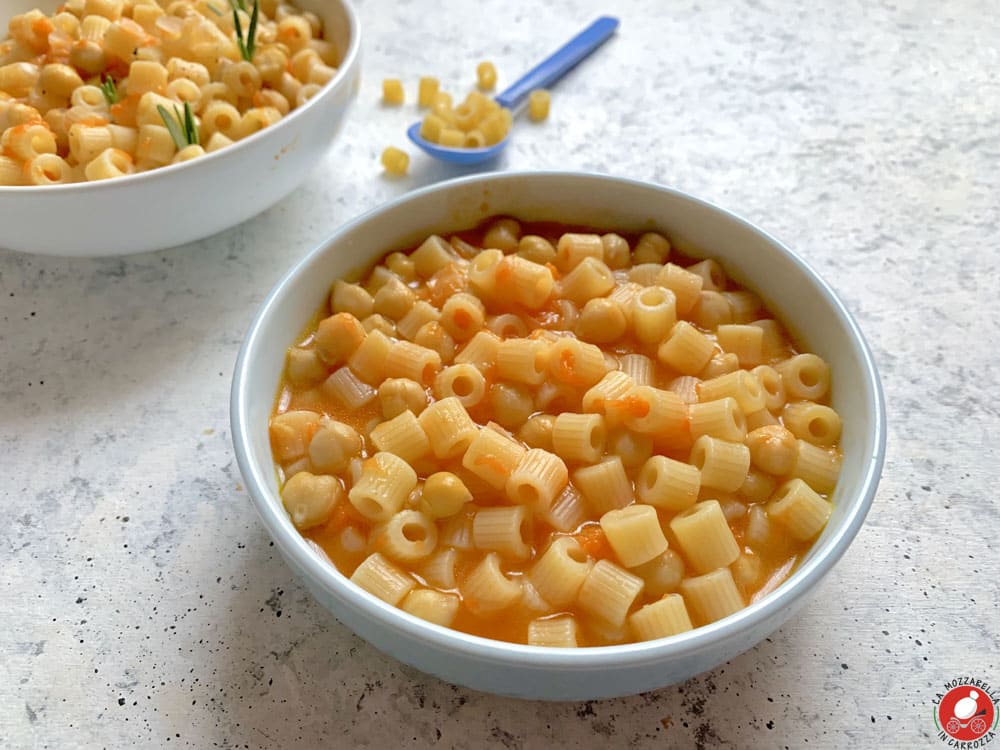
185 202
792 290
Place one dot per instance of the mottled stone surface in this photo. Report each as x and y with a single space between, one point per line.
141 603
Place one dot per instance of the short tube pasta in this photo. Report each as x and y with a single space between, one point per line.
669 484
634 534
712 596
579 437
664 617
385 482
486 590
704 536
407 536
434 606
723 464
558 574
799 509
555 632
608 592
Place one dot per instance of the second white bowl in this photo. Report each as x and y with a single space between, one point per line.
184 202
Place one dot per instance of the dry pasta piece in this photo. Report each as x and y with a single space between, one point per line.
392 91
426 90
539 102
486 76
395 161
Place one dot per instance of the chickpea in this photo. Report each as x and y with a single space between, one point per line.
397 395
601 321
773 449
333 446
310 498
291 433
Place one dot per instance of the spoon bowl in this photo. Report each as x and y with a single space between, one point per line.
542 75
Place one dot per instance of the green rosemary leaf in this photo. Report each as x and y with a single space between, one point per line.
110 90
190 126
173 126
252 33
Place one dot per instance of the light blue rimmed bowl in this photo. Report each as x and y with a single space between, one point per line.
792 290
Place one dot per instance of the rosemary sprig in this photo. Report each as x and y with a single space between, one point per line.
248 43
238 4
215 10
181 125
110 90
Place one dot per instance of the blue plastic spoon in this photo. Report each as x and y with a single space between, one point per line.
541 76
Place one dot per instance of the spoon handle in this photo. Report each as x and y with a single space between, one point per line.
554 67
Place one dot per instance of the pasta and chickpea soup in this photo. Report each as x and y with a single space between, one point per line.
105 88
545 435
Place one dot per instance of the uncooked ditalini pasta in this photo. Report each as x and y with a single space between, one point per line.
555 438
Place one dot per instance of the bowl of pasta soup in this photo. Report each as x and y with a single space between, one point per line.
134 127
518 430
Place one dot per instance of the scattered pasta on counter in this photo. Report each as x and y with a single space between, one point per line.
395 161
539 102
554 436
392 92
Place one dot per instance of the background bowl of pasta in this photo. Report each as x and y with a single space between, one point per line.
129 127
608 612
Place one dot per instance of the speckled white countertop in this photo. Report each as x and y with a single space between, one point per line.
141 603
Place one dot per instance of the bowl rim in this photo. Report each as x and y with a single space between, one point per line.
347 65
295 547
